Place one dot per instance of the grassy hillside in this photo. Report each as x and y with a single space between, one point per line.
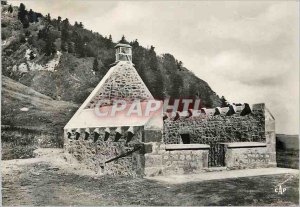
23 106
30 120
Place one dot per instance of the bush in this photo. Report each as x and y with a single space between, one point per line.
4 34
18 143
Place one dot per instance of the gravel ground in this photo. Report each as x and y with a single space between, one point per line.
49 180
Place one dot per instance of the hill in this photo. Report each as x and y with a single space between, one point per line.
24 107
65 62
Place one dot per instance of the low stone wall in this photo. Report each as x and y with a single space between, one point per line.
247 157
184 161
161 161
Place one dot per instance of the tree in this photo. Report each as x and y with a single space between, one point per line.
153 63
179 65
48 18
158 86
123 40
169 63
3 2
25 22
76 24
65 23
58 23
10 9
65 36
135 44
32 16
45 35
224 102
110 38
80 46
96 65
49 47
22 12
80 25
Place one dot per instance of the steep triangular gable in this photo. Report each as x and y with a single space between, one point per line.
121 82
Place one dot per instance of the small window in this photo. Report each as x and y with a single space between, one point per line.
185 138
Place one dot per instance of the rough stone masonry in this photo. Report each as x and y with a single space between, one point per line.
232 137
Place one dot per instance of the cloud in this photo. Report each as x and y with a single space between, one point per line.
245 68
263 28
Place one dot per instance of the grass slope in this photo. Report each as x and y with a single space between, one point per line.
43 112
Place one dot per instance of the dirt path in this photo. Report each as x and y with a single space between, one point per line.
49 180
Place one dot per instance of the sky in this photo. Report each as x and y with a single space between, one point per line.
247 51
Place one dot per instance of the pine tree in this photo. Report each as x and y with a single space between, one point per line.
153 63
31 16
25 22
76 24
80 25
224 102
48 18
158 86
123 40
96 65
50 47
10 9
65 23
22 12
110 38
65 37
135 44
59 23
179 65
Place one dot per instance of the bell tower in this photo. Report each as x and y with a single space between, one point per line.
123 52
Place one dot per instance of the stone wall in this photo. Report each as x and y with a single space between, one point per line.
241 158
95 154
151 135
251 137
161 161
184 161
219 128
